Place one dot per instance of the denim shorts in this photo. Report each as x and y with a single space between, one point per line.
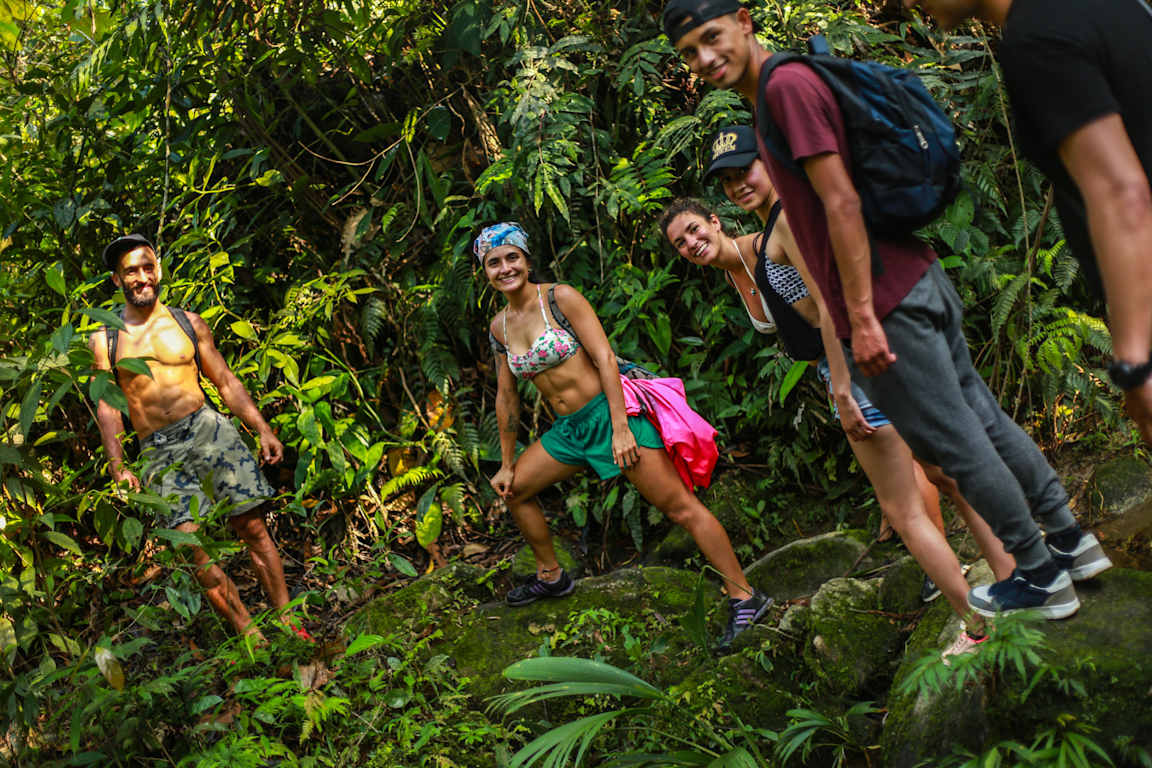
584 438
199 456
872 414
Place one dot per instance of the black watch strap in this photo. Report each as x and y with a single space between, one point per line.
1129 375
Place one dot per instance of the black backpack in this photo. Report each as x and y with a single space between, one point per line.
628 369
800 340
112 337
904 159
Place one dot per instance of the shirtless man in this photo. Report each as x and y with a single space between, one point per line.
186 445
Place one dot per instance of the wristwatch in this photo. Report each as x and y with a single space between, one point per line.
1128 375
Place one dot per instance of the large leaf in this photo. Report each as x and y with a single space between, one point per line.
109 666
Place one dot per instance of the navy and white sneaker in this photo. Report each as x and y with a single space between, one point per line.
741 615
1085 560
1056 600
538 588
929 591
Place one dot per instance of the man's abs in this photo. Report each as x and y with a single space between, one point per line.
173 390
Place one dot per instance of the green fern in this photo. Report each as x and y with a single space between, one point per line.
411 479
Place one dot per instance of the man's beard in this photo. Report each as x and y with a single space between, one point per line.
137 298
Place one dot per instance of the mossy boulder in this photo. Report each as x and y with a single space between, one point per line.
800 567
674 548
416 606
730 498
851 638
1101 648
524 562
1119 485
651 599
900 587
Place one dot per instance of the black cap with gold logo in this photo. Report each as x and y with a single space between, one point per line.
733 147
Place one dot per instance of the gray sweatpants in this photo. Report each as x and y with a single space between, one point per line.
948 416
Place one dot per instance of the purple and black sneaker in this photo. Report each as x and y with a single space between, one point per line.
537 589
742 614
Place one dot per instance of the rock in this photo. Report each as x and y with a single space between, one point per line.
800 567
1100 650
524 563
483 643
1118 486
900 588
675 549
851 639
413 607
731 497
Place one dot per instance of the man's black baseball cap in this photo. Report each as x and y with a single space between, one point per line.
683 16
122 245
733 147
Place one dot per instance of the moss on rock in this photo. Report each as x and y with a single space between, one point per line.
900 588
799 568
496 635
1118 486
851 640
415 607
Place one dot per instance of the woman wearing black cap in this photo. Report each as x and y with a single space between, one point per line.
774 286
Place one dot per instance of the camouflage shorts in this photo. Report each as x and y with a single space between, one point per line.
198 457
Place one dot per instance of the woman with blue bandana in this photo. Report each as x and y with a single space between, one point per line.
578 376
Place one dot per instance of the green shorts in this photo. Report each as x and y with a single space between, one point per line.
584 438
198 455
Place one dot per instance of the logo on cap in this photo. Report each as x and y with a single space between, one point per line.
725 142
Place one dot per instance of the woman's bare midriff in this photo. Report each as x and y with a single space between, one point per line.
571 385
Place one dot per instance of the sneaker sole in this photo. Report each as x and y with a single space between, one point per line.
1050 612
536 598
1088 570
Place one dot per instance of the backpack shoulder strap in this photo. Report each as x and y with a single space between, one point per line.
774 139
112 341
181 318
557 313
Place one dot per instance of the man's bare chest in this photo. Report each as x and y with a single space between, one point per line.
162 339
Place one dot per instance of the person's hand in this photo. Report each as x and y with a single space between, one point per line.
625 452
271 449
852 418
870 347
1138 403
502 481
125 478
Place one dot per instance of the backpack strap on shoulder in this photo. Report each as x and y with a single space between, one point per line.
112 342
557 313
181 318
774 139
498 348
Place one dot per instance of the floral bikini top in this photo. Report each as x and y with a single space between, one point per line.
552 347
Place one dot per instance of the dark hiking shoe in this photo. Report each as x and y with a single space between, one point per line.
537 589
929 591
1056 600
1083 561
741 615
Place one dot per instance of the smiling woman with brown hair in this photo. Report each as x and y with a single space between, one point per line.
576 372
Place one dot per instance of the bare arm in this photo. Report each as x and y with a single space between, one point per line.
108 419
508 420
851 419
232 391
852 250
1100 158
595 342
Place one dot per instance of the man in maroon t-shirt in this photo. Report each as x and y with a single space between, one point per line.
902 325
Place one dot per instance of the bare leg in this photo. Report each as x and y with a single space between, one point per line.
220 589
931 497
887 461
536 470
999 560
657 480
250 528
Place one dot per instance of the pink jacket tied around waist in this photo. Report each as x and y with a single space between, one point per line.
688 438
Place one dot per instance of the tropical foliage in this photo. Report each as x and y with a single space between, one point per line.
312 174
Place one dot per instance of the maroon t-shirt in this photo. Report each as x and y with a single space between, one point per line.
806 111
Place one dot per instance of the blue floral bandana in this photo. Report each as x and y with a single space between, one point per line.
504 233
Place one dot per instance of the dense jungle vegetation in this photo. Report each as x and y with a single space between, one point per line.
313 173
